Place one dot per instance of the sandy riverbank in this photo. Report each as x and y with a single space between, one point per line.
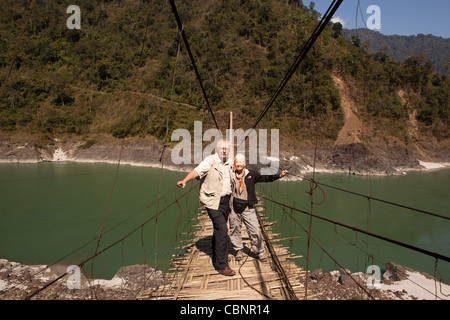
434 165
418 286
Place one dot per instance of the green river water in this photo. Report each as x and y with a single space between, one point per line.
54 211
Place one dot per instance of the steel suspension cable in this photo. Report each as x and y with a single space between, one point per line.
399 243
316 33
191 57
172 244
307 46
374 198
289 291
365 252
112 244
323 249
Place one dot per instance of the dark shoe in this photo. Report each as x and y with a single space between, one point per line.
262 257
239 255
227 271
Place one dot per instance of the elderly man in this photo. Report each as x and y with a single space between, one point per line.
243 208
215 191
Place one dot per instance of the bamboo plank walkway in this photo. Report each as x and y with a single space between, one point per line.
192 276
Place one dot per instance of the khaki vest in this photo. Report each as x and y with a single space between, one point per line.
211 187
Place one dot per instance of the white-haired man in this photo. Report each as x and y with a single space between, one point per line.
243 207
215 192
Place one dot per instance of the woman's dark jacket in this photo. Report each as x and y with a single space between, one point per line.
254 177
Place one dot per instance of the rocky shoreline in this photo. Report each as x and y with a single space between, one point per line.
354 158
396 283
19 282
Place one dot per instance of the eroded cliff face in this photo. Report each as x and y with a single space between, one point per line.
104 149
386 157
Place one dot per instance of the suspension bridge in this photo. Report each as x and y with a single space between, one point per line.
192 275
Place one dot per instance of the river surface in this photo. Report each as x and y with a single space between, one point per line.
55 212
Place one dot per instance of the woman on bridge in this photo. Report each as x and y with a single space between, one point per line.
243 207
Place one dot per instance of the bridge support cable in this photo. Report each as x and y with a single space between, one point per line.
191 57
373 198
81 264
288 290
99 237
290 215
396 242
87 243
191 216
308 45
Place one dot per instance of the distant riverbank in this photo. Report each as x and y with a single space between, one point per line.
147 152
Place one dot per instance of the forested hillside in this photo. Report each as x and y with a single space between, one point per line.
114 75
436 49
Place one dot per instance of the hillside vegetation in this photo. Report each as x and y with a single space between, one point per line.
436 49
114 75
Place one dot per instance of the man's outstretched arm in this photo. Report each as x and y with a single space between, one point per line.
190 176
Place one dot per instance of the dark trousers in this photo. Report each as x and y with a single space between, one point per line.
219 243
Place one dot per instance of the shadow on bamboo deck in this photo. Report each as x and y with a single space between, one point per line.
193 277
